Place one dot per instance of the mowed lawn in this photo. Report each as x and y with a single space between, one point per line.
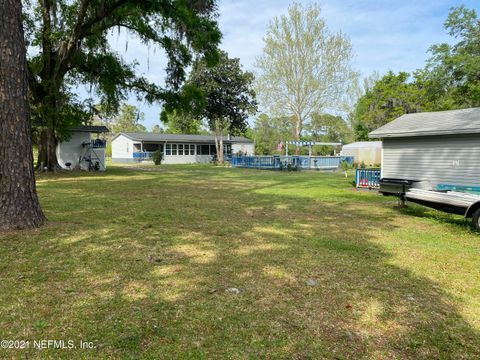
138 261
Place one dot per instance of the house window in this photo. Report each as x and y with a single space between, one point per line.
203 150
168 149
180 149
174 149
189 149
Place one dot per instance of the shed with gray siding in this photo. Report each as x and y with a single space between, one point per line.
441 150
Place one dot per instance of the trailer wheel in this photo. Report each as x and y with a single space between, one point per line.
476 219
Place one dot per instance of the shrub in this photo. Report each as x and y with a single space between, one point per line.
157 157
344 165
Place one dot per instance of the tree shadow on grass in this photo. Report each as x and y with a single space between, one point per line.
152 284
419 211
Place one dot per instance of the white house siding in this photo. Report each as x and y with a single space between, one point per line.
71 150
186 159
452 159
245 148
122 149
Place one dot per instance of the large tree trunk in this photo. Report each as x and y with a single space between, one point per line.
220 145
19 206
47 150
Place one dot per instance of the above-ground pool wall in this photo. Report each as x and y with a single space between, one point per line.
434 160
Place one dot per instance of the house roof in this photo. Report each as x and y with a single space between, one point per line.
91 128
363 145
180 137
465 121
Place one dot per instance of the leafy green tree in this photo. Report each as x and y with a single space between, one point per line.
157 129
450 80
304 68
329 128
391 96
129 119
69 46
182 122
452 74
229 97
269 132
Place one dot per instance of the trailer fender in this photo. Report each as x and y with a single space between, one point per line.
471 209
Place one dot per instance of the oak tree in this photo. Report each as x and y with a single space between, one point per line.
69 47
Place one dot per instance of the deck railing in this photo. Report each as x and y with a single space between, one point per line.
283 162
98 143
142 155
367 178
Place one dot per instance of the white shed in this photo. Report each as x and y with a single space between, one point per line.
368 152
82 150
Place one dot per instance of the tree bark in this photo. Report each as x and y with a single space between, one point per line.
220 145
47 151
219 142
19 205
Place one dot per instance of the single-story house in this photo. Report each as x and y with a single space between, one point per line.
176 148
84 150
440 150
368 152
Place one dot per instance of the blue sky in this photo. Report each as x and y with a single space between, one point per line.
386 35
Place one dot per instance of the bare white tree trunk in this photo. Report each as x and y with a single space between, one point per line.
298 131
220 157
218 132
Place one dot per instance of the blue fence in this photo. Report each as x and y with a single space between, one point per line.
142 155
368 178
284 162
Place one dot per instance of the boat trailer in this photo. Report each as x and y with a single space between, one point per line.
449 201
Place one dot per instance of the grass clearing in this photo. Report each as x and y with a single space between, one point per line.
137 260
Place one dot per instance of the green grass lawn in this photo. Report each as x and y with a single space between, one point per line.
137 261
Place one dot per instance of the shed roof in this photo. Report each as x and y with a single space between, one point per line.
91 128
464 121
180 137
363 145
